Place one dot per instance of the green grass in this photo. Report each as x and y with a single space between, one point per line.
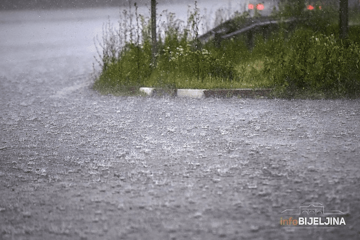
303 61
252 74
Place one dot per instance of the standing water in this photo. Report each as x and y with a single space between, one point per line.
75 164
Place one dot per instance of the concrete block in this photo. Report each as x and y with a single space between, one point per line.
192 93
147 90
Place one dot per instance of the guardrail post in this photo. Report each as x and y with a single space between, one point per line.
250 38
344 19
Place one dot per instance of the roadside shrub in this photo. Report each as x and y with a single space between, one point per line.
199 63
316 62
132 68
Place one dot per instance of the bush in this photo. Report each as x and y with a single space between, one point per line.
188 61
310 61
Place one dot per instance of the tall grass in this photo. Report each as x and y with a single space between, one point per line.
301 58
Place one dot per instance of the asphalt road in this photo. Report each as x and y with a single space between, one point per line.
78 165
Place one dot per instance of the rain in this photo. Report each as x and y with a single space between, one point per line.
75 164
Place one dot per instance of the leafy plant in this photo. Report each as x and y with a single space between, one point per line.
316 62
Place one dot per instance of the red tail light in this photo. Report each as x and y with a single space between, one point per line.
309 7
260 7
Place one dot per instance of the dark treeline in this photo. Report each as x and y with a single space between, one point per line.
60 4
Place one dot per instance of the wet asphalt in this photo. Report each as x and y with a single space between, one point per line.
79 165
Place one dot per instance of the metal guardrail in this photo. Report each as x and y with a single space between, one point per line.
237 32
221 29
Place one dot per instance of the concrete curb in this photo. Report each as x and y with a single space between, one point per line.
205 93
242 93
191 93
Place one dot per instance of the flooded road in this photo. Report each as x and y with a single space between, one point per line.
78 165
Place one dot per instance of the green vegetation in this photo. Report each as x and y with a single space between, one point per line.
305 59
